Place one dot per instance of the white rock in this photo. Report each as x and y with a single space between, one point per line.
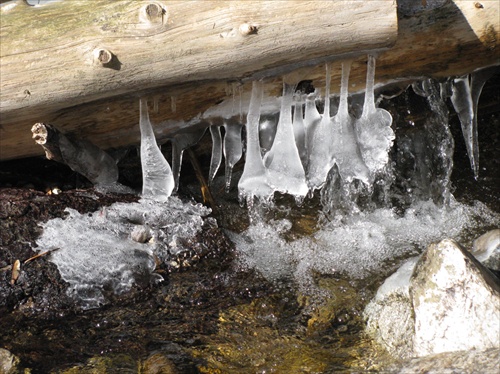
389 315
486 249
456 302
444 301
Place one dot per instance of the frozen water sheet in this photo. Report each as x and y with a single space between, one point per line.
97 255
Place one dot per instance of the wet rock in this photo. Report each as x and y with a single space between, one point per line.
486 249
9 364
464 362
389 315
456 302
444 301
157 363
141 234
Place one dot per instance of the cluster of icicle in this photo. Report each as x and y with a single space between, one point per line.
296 156
308 144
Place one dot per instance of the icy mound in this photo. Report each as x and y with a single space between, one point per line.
97 255
360 244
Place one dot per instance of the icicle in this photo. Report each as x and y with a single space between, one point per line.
157 177
462 102
216 152
320 143
345 149
253 180
179 143
285 170
374 133
311 120
299 131
233 148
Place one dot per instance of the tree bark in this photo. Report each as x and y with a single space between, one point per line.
83 68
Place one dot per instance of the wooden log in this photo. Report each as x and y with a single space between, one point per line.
199 56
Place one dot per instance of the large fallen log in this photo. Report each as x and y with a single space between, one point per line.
83 68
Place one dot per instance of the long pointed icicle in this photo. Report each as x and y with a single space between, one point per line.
157 177
253 181
299 131
462 102
373 130
320 144
216 152
233 149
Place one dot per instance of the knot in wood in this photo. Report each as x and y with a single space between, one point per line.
247 29
103 56
153 13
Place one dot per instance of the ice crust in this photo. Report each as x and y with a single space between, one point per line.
97 256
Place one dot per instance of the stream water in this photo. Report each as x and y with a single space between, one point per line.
286 294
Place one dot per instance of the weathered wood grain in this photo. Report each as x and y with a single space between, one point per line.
195 53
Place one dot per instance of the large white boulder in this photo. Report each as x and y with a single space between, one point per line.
442 301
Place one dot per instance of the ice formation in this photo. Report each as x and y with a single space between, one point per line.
373 129
285 172
253 181
180 142
97 255
157 178
299 130
320 139
345 148
216 158
465 98
233 148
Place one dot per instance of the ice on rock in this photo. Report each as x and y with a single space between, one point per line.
373 130
320 139
253 181
233 148
462 102
345 151
216 159
180 142
157 178
285 172
97 255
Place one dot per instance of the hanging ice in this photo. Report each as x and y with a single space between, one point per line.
157 177
345 149
320 143
253 181
311 121
216 152
466 91
373 129
180 142
299 130
462 102
232 148
285 172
